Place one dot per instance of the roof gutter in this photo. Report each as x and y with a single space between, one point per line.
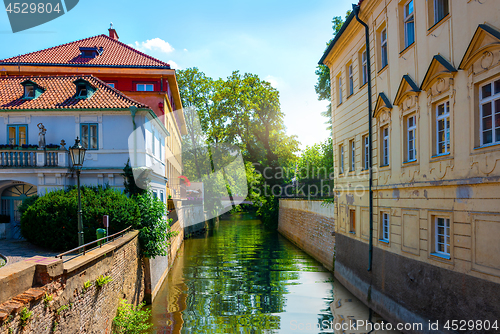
355 11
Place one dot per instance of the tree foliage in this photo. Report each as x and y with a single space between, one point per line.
131 319
242 110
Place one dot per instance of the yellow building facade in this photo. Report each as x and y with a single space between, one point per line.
435 147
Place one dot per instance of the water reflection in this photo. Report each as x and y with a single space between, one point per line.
242 278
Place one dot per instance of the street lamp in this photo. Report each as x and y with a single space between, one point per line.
77 153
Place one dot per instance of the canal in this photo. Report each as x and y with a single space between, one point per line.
242 278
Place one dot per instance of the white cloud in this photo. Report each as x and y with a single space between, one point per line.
174 65
272 80
154 44
185 50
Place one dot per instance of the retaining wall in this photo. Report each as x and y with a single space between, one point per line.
310 226
72 308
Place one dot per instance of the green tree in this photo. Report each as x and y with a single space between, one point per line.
323 85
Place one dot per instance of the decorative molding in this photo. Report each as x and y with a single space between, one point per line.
484 43
407 88
438 70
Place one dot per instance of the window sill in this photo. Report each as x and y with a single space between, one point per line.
363 85
437 24
348 96
386 242
383 69
406 49
487 146
439 157
384 166
352 232
410 162
441 256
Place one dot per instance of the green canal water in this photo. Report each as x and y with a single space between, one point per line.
242 278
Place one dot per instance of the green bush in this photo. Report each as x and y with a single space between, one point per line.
131 319
51 220
155 233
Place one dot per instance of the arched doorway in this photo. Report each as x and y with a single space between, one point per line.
11 199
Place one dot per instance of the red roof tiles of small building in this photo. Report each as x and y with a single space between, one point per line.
114 54
59 92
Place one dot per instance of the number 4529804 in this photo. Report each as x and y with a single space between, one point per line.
26 8
463 325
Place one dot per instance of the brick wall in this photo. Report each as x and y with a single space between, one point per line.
310 226
74 309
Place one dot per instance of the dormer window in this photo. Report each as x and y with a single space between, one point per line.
31 90
91 52
84 90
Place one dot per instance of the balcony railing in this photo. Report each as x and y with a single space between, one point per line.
14 158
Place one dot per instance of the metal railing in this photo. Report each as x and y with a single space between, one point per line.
114 236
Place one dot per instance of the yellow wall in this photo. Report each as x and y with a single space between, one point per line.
462 186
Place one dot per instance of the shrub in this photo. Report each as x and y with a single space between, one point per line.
51 220
131 319
154 228
103 280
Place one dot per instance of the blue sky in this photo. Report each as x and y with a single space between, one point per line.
281 41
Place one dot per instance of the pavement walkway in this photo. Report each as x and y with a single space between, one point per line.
19 250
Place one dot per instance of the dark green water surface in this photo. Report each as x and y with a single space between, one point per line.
242 278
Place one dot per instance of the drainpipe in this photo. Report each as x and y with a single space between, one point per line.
355 9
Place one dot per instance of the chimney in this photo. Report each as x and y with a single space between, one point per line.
112 33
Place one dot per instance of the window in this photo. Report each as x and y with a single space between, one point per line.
366 152
18 134
409 24
155 193
442 236
384 230
443 128
489 104
339 81
341 155
162 196
353 155
351 79
440 10
81 91
352 221
364 68
153 141
411 131
145 87
385 146
88 133
383 48
111 84
29 92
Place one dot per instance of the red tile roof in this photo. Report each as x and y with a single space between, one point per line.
114 54
59 93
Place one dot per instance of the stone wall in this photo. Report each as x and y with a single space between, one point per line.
310 226
72 308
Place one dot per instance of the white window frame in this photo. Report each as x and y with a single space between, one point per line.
367 152
385 146
445 117
353 155
411 145
143 87
384 60
385 235
364 66
351 80
340 88
446 236
494 114
409 18
436 10
341 159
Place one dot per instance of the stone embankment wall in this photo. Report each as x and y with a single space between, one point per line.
310 226
55 292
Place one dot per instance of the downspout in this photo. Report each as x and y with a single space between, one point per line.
355 9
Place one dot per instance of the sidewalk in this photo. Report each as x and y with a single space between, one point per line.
19 250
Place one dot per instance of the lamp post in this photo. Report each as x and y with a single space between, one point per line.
77 153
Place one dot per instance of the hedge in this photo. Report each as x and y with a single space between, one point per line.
50 221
